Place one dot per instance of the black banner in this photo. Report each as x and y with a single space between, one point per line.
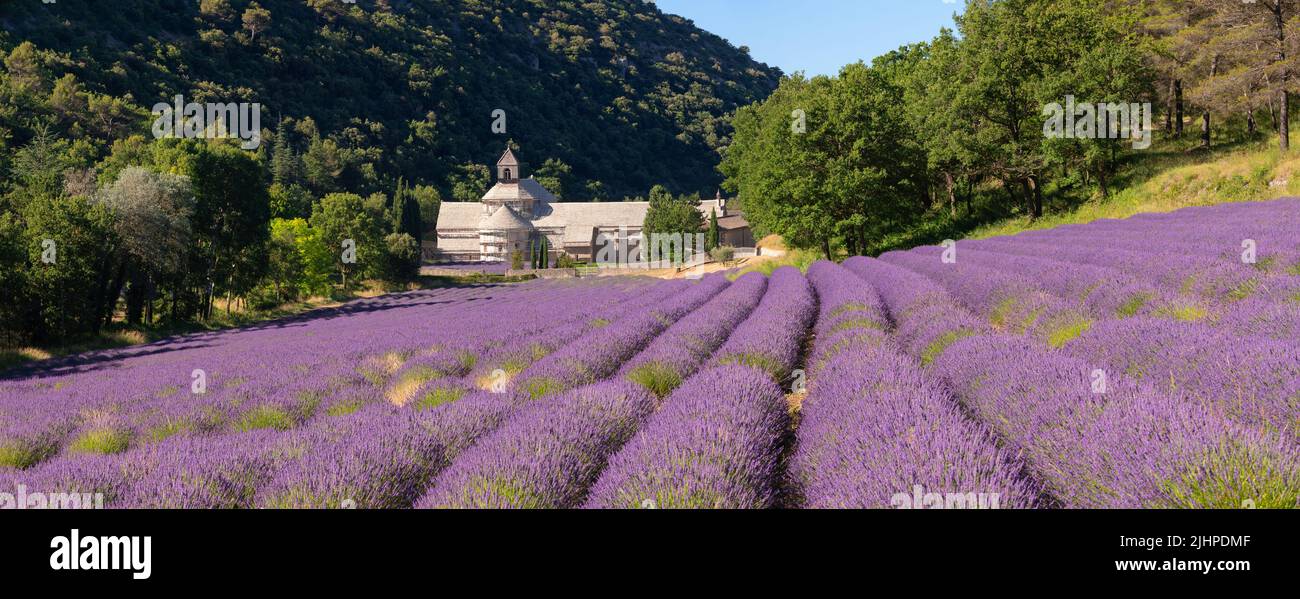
1100 549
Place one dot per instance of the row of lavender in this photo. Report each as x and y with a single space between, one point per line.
44 417
1232 351
383 454
713 440
281 375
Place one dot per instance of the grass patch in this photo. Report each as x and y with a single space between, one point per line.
856 323
540 387
940 345
262 417
800 259
1184 313
404 390
1058 336
1243 290
847 307
1132 305
656 377
168 391
23 454
438 397
104 441
599 323
345 407
1265 264
759 361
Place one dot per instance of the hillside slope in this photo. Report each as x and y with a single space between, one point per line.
618 91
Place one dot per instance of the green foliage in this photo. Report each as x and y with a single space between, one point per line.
723 253
265 417
101 441
823 159
715 234
343 223
672 215
656 378
69 296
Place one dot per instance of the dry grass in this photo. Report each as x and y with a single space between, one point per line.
1250 174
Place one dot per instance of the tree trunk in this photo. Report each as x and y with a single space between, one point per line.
1284 127
1178 108
826 247
1205 116
952 199
1036 206
1169 111
1250 121
1205 130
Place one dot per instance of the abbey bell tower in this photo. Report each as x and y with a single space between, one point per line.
508 168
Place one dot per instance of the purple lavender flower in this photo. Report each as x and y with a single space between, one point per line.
548 454
715 444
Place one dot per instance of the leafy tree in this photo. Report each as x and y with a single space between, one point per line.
289 201
402 258
715 234
820 160
151 218
557 177
470 182
70 291
340 218
231 222
669 215
26 68
256 19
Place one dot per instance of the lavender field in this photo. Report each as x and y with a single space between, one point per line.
1151 362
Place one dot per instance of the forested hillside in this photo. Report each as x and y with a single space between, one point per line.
1027 109
370 114
617 95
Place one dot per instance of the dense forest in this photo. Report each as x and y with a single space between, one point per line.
370 115
609 98
941 136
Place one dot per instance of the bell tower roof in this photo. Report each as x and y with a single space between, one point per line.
508 166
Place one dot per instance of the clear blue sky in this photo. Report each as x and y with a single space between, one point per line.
817 36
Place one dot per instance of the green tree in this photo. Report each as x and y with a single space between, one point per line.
470 182
351 233
825 159
556 177
70 253
151 218
289 201
715 234
231 223
256 19
672 215
406 213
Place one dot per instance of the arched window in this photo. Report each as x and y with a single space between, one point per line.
507 174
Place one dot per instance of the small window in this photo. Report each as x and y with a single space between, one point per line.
507 174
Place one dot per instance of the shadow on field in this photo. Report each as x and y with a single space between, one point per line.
106 358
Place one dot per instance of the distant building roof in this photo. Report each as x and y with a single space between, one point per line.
504 219
733 220
521 189
508 159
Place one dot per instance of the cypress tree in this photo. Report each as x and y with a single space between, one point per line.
715 235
